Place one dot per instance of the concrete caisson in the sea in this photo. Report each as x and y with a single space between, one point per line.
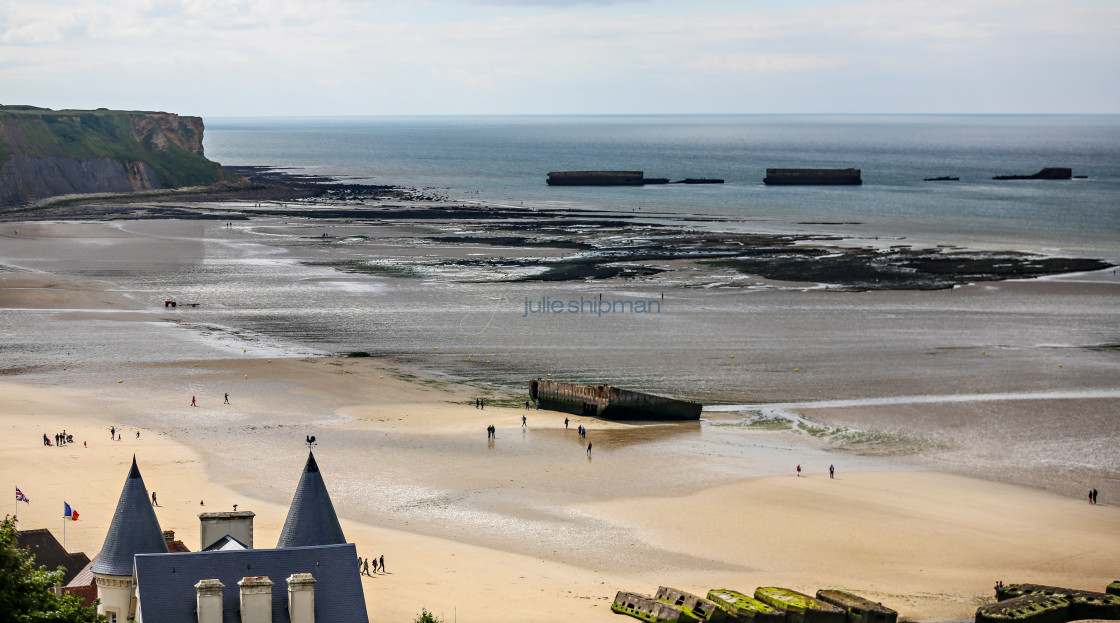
859 609
744 608
649 609
596 178
610 402
1114 588
812 177
1047 173
799 607
698 607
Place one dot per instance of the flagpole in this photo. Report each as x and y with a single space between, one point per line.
63 532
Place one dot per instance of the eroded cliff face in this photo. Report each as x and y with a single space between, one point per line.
162 130
45 153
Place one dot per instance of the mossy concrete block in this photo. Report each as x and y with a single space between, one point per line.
859 609
1012 591
649 609
1031 608
1114 588
1093 605
744 608
799 607
1083 604
699 607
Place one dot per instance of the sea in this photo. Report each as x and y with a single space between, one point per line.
504 160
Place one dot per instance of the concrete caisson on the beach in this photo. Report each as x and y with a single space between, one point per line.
649 609
1114 588
1039 603
1038 608
610 402
859 609
699 607
799 607
744 608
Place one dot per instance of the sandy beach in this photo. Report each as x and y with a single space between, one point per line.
528 527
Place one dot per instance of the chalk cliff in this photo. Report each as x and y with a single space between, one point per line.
44 152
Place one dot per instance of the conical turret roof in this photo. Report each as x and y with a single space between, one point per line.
311 518
134 530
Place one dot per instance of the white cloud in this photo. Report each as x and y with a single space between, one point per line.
236 57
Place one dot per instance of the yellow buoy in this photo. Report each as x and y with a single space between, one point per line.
797 369
435 348
196 365
983 352
269 361
243 350
120 381
732 356
1059 365
550 374
64 369
246 376
380 377
487 361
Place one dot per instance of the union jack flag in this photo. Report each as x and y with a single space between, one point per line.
20 497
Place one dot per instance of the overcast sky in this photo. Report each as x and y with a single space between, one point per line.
374 57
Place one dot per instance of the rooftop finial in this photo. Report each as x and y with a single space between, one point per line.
135 471
310 441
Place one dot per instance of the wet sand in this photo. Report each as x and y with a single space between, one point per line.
528 520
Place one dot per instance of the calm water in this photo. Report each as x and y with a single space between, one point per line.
506 159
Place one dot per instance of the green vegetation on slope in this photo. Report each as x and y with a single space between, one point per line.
87 134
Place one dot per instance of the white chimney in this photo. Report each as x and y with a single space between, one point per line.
209 601
301 598
237 524
256 599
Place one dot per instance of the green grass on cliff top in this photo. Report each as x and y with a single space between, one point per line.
101 133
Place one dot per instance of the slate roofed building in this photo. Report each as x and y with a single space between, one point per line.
49 553
312 576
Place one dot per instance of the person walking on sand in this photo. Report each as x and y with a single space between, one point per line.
523 421
227 398
799 471
1094 496
383 563
137 434
365 567
565 423
589 448
193 403
112 432
831 471
154 503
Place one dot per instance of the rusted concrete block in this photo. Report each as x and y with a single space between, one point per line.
702 609
859 610
649 609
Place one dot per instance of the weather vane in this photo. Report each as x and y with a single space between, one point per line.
310 441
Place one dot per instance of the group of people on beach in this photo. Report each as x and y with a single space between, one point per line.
1092 496
60 439
479 403
378 562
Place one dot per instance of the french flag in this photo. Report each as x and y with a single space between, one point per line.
69 513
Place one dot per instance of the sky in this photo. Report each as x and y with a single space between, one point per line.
222 58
